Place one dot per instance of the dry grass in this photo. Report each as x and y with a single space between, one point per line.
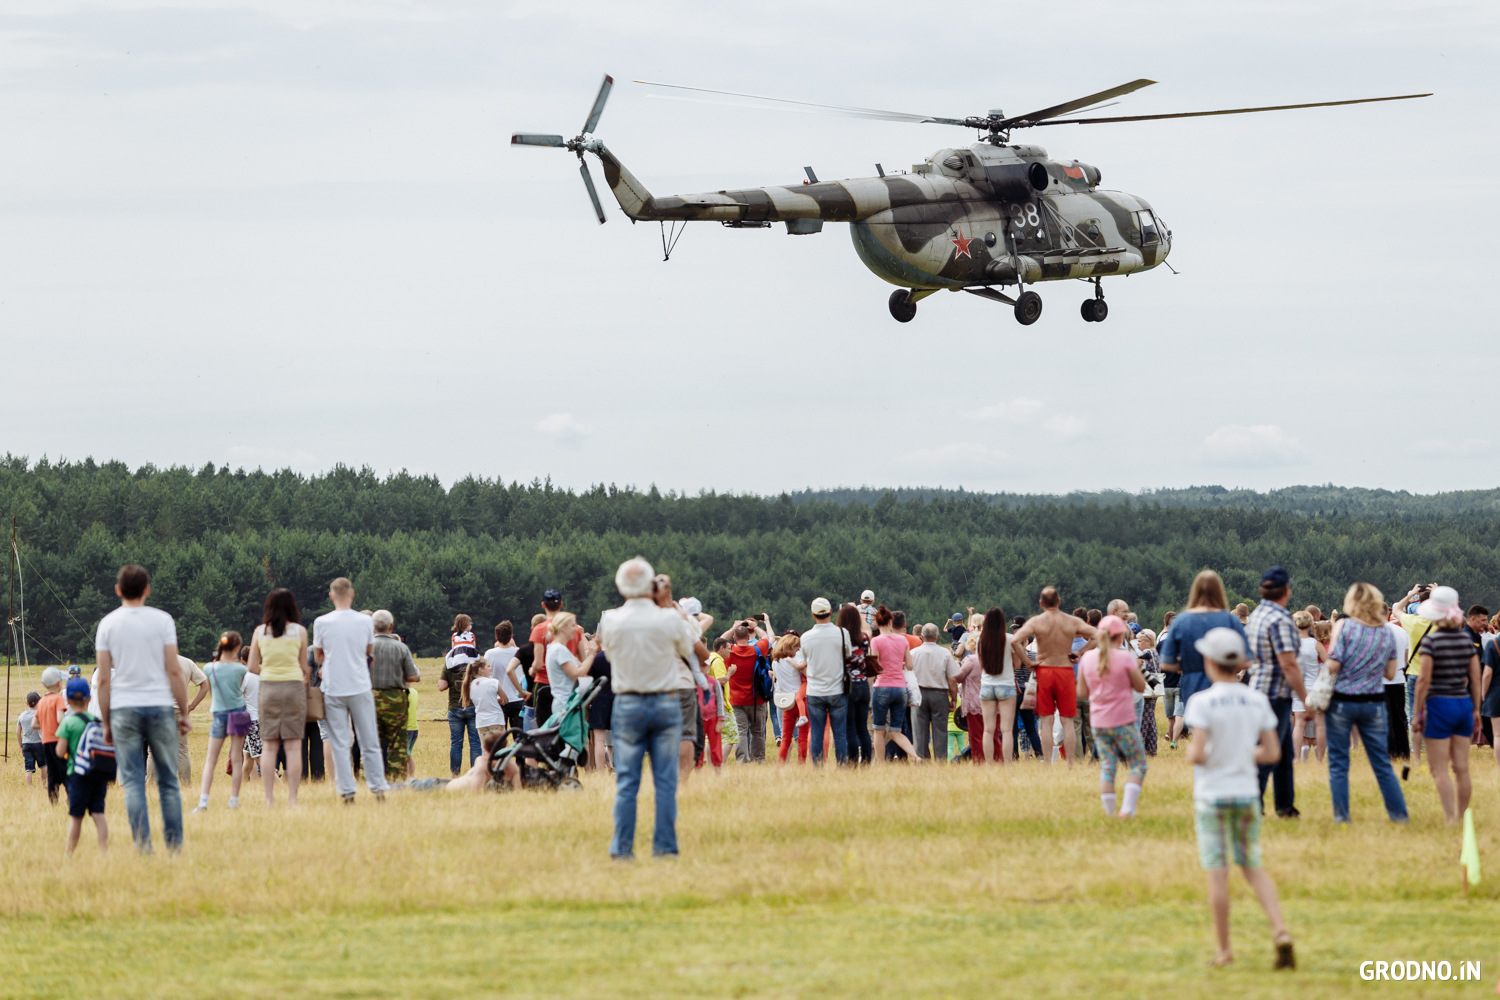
923 881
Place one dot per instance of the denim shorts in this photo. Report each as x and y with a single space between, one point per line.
34 757
889 707
1449 717
995 691
218 729
86 794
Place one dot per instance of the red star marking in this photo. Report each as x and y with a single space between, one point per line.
961 245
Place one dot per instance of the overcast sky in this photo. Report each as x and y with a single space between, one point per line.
295 234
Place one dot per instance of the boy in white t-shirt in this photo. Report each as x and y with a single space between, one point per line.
1237 732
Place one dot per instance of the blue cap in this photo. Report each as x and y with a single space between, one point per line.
551 595
1276 577
77 688
957 617
74 670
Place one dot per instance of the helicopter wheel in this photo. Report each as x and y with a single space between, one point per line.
1028 308
902 307
1094 310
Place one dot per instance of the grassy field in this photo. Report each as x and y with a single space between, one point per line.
906 881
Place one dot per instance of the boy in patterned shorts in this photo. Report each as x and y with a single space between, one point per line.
1237 732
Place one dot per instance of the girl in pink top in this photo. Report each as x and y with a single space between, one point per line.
1107 677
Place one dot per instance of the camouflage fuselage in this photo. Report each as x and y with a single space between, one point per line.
982 215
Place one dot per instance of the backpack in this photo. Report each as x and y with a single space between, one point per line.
94 756
764 686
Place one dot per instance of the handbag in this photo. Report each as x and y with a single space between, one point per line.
1028 700
238 723
785 699
315 704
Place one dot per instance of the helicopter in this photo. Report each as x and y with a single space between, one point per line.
982 218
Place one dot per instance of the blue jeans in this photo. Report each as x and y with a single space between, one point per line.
459 720
833 710
858 710
1371 718
1284 790
642 724
133 730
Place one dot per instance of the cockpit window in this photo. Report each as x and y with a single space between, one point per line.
1149 230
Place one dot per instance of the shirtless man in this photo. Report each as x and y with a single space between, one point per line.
1056 683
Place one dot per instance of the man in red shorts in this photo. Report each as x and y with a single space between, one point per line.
1056 682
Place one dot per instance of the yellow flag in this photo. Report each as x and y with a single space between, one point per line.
1470 856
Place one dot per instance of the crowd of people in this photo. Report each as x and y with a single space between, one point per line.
1255 692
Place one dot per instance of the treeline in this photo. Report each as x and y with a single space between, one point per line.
216 540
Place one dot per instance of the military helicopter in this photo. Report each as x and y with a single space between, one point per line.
971 219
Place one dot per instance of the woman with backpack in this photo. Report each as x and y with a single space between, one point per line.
861 747
231 720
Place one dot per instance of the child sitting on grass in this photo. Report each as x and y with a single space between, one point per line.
1237 731
85 790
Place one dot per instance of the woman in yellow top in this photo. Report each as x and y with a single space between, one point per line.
278 653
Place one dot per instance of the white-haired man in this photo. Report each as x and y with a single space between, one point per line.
646 644
392 668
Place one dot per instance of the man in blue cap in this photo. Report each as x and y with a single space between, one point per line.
1274 641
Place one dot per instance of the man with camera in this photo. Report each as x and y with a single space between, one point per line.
1404 612
750 712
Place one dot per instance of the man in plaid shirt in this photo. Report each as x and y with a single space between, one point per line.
1274 641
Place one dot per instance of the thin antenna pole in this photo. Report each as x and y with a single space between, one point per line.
11 631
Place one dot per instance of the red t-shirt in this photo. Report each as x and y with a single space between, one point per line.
913 641
539 640
742 684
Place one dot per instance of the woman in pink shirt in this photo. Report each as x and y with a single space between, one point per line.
888 699
1108 677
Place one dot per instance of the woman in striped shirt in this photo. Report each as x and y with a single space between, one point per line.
1362 657
1445 707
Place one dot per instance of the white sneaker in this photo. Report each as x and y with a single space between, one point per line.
234 802
201 809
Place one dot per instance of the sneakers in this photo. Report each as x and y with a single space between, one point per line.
348 800
1286 957
234 802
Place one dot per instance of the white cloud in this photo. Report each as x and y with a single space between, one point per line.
1257 445
564 427
1022 408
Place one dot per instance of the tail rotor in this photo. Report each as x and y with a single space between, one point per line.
579 144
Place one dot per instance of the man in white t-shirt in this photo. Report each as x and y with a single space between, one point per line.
825 647
140 685
1237 731
343 642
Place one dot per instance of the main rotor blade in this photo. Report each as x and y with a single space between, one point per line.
592 122
1080 104
588 182
806 106
534 139
1227 111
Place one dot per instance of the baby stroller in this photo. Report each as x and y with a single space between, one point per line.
550 757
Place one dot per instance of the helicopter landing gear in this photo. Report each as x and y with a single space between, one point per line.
903 309
1095 310
1028 308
